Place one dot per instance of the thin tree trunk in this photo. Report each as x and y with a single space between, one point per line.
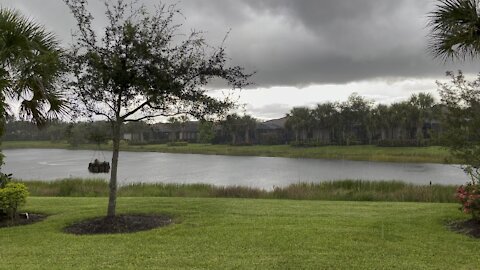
419 132
112 199
3 120
247 136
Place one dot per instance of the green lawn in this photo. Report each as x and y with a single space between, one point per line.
245 234
433 154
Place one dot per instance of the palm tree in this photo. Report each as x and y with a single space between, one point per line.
401 115
232 125
30 65
383 119
249 124
455 29
324 120
422 105
299 120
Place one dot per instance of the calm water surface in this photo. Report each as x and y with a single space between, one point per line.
261 172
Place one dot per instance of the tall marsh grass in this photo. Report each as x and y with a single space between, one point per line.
345 190
71 187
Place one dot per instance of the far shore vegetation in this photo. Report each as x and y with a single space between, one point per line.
430 154
344 190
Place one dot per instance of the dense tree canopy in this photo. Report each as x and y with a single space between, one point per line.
358 121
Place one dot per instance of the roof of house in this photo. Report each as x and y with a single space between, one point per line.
190 126
273 124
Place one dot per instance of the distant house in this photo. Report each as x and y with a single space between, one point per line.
272 132
268 132
187 131
135 137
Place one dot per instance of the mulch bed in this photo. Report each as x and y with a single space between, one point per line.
22 220
119 224
469 227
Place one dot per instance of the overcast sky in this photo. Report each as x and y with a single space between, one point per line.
304 51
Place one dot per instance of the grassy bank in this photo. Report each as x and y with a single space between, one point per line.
347 190
244 234
433 154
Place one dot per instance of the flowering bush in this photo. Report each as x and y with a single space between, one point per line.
469 197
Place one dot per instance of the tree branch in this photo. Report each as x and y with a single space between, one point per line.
153 116
135 110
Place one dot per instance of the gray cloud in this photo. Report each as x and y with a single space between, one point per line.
297 43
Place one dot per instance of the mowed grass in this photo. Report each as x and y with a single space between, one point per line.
432 154
345 190
244 234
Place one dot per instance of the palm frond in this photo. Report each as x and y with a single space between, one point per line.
455 30
31 63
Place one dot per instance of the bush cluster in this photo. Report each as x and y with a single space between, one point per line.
12 196
308 144
403 143
469 198
178 143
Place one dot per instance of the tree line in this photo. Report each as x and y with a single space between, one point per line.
357 120
416 121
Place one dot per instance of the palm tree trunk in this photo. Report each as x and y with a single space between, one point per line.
2 118
247 136
112 199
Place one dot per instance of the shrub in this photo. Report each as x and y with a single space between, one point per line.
179 143
469 198
12 197
309 143
403 143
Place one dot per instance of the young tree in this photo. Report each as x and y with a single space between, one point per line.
141 69
461 99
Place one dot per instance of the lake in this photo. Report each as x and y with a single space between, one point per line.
259 172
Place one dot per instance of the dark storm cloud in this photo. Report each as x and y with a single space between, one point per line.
310 41
299 42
